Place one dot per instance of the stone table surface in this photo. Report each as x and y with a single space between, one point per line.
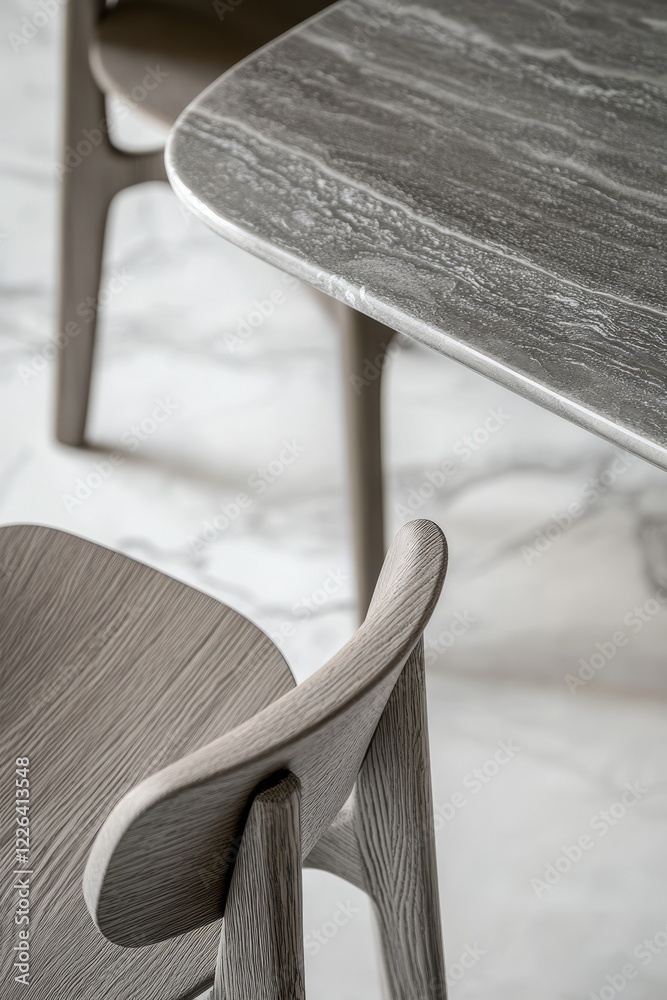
487 178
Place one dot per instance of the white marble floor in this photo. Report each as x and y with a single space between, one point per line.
533 596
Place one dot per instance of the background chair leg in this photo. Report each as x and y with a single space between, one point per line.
261 945
364 347
84 215
394 817
91 172
85 196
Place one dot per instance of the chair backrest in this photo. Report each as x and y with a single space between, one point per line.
162 862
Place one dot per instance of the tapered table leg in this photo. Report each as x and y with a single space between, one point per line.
364 345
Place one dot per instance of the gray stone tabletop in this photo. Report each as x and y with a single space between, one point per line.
487 178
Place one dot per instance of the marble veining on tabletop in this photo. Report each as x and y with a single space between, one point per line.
487 178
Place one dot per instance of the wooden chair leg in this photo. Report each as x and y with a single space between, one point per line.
364 347
91 172
261 944
394 821
383 841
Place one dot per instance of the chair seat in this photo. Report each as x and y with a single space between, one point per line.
191 47
185 51
109 671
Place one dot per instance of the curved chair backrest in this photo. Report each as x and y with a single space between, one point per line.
162 862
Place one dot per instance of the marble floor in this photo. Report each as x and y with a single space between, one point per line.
550 636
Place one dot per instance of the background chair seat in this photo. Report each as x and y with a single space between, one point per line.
109 672
185 49
192 44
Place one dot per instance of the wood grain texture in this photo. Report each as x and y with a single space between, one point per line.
187 818
484 177
261 945
338 851
383 841
394 822
109 670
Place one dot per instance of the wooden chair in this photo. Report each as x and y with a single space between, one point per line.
171 721
159 55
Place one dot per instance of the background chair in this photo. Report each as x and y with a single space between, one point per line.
130 672
159 55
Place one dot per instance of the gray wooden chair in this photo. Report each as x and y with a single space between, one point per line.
169 720
159 55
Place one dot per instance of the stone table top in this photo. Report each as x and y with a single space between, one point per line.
487 178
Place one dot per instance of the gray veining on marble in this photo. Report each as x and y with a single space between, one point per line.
485 177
